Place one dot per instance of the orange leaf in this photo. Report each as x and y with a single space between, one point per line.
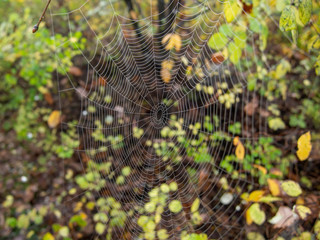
276 172
48 98
75 71
54 119
300 201
165 75
262 169
240 151
102 81
274 186
248 218
133 15
236 141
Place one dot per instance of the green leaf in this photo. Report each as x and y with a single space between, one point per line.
142 221
12 222
150 207
120 180
48 236
317 66
8 202
100 227
23 221
162 234
269 199
255 25
283 67
165 188
240 39
173 186
226 30
150 226
258 216
276 124
305 8
126 171
288 19
291 188
294 36
235 53
64 231
175 206
254 236
204 157
78 220
218 41
195 205
281 4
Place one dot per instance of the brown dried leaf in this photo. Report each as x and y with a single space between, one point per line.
48 98
75 71
217 58
251 107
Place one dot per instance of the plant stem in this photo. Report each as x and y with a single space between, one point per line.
36 27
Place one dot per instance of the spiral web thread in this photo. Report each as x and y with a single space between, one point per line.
119 68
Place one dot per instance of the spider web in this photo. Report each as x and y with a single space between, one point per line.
122 90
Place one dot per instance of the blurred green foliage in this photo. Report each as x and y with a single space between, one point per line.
27 62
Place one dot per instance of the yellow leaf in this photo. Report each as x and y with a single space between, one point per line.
168 64
48 236
291 188
166 38
257 215
248 217
173 41
274 186
231 10
240 151
304 146
255 236
255 195
303 211
189 69
262 169
83 215
54 119
245 196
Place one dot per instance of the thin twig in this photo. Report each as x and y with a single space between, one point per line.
36 27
